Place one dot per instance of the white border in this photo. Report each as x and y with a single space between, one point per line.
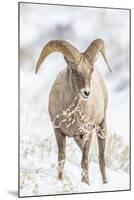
9 98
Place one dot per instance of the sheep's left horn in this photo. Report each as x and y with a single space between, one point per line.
95 47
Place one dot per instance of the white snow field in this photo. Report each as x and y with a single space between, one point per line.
39 165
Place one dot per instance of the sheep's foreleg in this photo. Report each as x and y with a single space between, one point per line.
84 162
61 142
101 145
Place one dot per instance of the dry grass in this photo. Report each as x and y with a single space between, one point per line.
116 153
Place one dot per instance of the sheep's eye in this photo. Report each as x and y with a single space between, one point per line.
73 71
81 81
92 70
74 74
75 77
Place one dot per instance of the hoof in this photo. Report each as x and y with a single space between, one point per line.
105 182
60 176
85 180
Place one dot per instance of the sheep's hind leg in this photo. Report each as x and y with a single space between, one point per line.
61 142
84 161
101 145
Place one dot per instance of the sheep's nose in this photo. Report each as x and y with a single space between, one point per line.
86 93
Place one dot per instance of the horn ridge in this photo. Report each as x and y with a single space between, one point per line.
64 47
95 47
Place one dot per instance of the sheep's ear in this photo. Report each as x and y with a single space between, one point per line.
70 64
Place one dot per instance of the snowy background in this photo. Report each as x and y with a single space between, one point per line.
38 151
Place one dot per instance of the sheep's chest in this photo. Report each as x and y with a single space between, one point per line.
94 110
80 116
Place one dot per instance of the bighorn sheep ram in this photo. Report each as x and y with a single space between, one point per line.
78 97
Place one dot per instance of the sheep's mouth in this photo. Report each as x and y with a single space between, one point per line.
84 97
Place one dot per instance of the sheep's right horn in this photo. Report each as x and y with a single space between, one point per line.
64 47
95 47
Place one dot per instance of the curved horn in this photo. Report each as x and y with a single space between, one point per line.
68 50
95 47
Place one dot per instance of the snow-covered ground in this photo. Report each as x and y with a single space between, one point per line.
45 181
38 149
38 158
